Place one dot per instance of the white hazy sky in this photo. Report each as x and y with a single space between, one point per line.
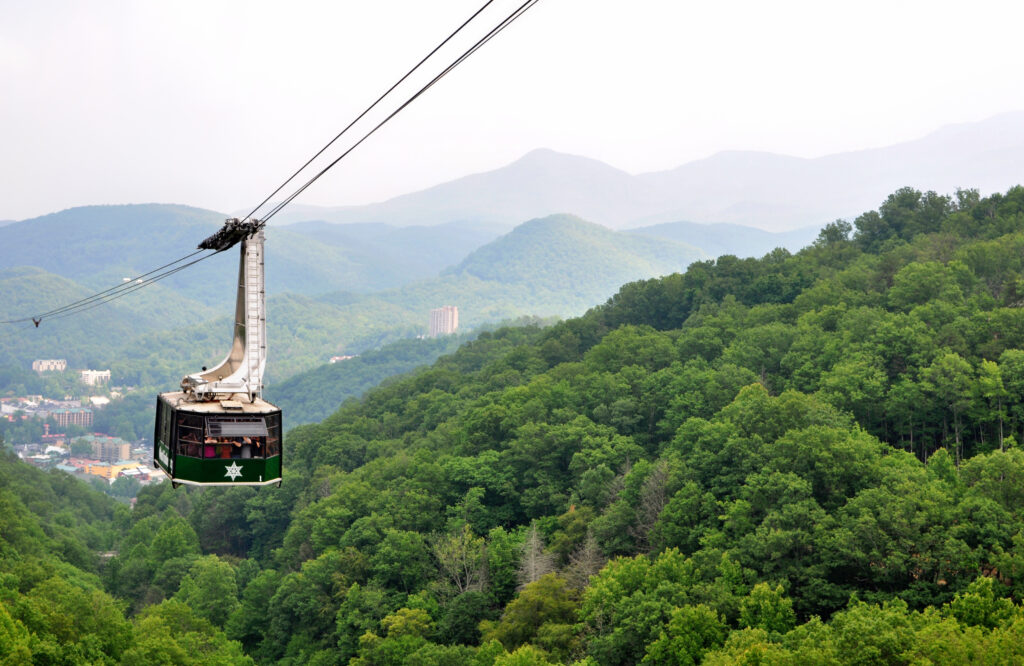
212 103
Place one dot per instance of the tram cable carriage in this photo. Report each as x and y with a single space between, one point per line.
217 430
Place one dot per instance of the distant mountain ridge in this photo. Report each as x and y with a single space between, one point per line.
100 245
562 250
756 189
556 266
718 239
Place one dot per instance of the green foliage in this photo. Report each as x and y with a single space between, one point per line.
767 608
169 633
803 458
978 606
546 601
210 590
71 624
313 395
691 632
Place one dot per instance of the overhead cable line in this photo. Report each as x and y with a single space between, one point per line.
112 293
369 108
134 284
523 8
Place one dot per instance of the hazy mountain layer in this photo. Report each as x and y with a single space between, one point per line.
756 189
558 266
100 245
720 239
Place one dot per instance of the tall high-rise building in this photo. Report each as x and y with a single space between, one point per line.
444 320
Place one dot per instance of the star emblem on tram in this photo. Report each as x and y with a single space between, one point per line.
233 471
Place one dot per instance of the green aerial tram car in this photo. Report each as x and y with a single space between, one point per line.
217 443
218 430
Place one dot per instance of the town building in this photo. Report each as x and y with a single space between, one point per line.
50 365
110 471
140 474
444 320
79 416
94 377
108 449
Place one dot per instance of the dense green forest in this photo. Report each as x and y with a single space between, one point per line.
313 395
804 458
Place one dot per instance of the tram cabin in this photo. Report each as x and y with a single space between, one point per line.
228 442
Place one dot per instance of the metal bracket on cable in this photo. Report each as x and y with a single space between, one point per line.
233 232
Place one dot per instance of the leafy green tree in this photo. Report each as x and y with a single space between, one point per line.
630 602
949 379
1011 369
210 589
691 632
360 612
15 642
432 654
125 486
905 408
990 396
70 623
389 651
169 633
872 634
460 557
899 537
301 615
857 385
525 655
81 447
248 622
685 519
834 233
461 618
503 553
220 519
978 606
548 600
767 608
402 560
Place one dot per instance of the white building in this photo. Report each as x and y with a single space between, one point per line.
50 365
444 320
94 377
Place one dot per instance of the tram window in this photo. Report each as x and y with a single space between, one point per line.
253 447
190 434
227 426
188 443
165 424
273 446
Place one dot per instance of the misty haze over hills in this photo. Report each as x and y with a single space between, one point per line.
763 190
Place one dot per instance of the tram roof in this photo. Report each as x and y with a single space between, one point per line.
237 403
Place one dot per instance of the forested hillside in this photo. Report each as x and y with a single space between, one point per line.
56 535
313 395
803 458
101 244
558 266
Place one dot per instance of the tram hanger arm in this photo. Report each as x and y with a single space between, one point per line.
233 232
